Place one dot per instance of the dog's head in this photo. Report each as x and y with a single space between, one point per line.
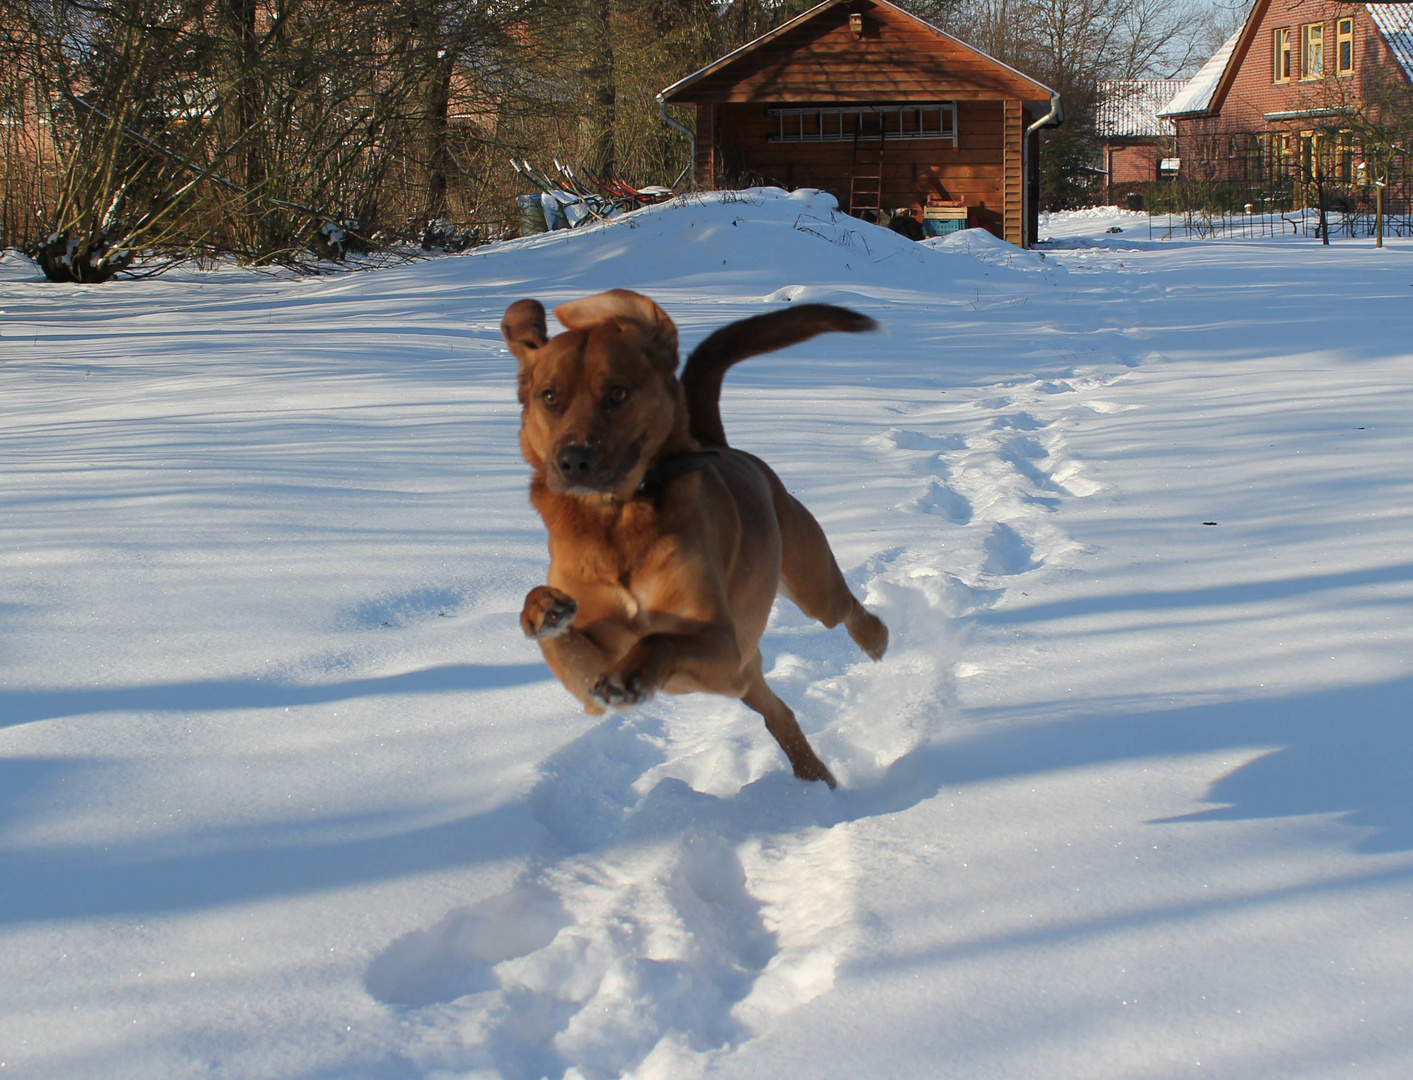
601 400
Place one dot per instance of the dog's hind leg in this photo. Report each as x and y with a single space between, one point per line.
781 723
810 576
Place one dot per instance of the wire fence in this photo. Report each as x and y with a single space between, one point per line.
1204 224
1308 183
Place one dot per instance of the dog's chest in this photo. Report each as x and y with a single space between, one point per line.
634 578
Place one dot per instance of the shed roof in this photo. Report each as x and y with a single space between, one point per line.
799 60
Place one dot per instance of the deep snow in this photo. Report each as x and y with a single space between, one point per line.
283 793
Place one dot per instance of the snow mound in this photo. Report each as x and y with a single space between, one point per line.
284 792
986 247
773 244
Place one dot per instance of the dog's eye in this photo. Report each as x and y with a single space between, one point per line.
550 398
617 395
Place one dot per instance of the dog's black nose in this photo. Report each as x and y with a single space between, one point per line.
576 461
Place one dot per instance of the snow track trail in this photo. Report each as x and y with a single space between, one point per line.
689 890
286 795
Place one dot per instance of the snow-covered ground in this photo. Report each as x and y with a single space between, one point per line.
284 795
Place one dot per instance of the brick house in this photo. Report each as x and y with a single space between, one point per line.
1279 93
862 99
1135 141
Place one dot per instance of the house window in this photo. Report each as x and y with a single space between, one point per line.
1344 161
869 123
1281 149
1312 51
1344 47
1309 154
1281 48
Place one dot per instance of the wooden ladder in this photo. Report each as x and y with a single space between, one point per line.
866 188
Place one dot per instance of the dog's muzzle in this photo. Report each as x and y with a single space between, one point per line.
584 470
577 463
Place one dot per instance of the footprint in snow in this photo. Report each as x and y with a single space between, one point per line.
941 500
1008 553
1021 421
900 439
458 955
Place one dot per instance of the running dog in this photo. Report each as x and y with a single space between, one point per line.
667 546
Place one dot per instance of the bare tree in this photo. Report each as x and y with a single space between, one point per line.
115 83
1073 46
262 128
266 129
1218 21
1366 125
625 51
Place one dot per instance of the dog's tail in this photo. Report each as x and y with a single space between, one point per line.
702 375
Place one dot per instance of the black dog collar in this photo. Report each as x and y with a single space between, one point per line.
669 468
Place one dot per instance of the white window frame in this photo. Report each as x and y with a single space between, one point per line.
866 123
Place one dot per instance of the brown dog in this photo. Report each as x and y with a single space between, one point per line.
666 546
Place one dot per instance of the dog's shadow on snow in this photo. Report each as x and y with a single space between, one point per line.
1342 752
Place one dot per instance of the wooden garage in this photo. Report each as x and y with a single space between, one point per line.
866 101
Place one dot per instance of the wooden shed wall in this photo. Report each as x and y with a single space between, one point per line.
821 61
984 169
897 58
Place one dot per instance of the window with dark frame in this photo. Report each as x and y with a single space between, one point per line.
867 123
1344 166
1309 154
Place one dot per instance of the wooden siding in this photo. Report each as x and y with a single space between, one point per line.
912 169
818 60
898 58
1014 183
705 164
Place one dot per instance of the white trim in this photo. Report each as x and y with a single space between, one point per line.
1301 114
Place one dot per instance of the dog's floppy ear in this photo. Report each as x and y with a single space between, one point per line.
656 331
524 331
524 327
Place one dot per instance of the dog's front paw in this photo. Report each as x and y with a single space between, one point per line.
547 613
616 690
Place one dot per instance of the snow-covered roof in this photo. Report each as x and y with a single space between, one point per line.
1129 107
1395 23
1196 95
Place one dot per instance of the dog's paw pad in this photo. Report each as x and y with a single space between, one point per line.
547 614
617 691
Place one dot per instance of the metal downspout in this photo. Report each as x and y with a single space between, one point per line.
1054 118
692 135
